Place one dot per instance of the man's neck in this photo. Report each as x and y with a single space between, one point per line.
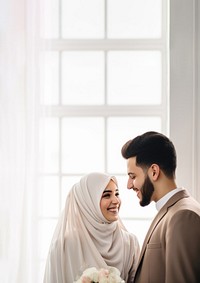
163 187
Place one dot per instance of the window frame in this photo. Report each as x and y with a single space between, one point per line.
105 110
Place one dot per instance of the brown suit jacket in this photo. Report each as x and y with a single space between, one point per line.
171 249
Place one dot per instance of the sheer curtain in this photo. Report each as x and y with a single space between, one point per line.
18 150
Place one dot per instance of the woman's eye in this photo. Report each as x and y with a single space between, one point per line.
106 196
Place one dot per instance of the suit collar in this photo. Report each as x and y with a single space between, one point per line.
176 197
161 202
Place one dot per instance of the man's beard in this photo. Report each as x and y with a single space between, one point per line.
146 191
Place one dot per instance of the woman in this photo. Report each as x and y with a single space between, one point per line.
90 233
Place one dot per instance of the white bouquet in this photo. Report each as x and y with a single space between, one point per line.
109 275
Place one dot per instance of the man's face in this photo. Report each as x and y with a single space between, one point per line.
140 182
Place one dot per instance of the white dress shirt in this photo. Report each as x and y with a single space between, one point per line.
161 202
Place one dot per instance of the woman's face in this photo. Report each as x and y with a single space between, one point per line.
110 202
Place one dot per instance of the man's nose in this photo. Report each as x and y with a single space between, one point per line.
130 184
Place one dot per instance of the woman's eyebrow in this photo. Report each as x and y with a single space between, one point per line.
108 191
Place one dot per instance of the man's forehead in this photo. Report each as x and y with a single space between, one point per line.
131 161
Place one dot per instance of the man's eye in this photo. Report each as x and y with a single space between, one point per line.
132 176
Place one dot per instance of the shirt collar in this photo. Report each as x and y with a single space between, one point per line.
161 202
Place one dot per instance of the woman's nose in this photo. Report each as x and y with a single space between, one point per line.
115 199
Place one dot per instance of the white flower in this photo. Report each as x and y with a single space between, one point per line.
109 275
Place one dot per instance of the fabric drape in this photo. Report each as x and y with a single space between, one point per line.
17 148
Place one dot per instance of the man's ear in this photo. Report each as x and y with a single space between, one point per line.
154 172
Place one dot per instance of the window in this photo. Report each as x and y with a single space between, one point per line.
104 79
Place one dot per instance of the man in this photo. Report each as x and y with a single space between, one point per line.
171 249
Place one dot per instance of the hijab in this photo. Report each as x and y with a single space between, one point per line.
84 238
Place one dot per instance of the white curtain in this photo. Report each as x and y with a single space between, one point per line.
18 150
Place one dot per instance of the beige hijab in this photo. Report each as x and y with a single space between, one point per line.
84 238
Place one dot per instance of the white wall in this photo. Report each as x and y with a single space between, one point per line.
198 101
184 91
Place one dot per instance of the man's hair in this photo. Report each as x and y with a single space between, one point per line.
152 147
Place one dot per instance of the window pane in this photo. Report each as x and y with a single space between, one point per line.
41 270
50 78
82 145
134 77
49 12
83 77
67 183
49 196
123 129
134 18
83 19
49 145
138 227
46 229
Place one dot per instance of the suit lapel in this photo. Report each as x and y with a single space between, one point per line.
159 216
154 223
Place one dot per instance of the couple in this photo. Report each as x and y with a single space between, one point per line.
90 232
